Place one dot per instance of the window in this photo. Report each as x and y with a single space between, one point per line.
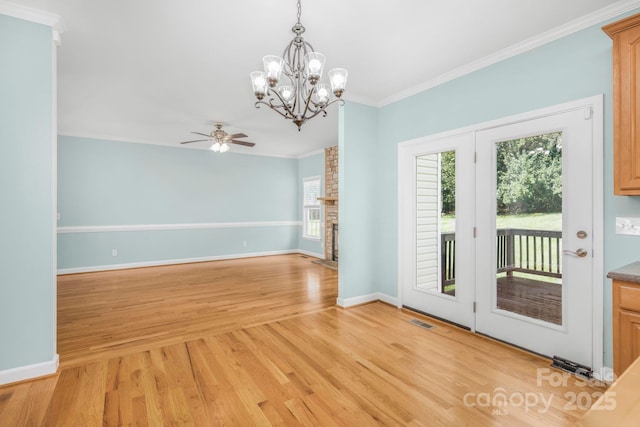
311 208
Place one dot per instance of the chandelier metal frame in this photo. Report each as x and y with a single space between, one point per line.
302 98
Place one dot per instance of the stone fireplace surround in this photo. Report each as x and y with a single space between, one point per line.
330 198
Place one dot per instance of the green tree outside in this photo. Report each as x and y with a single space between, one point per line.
529 176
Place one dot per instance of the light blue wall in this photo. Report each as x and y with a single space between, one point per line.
27 286
359 201
307 167
574 67
118 183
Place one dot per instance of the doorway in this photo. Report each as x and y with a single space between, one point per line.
500 229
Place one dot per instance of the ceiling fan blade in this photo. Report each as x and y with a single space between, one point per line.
195 140
203 134
237 135
245 143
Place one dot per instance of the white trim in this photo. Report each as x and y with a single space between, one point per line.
29 372
363 299
598 238
57 38
29 14
171 262
309 253
605 375
160 227
516 118
110 138
554 34
596 102
389 299
359 99
54 188
317 205
312 153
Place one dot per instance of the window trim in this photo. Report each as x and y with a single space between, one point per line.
307 207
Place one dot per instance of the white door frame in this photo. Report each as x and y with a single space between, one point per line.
405 239
460 306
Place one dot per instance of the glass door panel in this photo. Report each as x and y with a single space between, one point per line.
435 227
529 227
436 222
534 203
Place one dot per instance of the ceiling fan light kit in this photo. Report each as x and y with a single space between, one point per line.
301 97
221 139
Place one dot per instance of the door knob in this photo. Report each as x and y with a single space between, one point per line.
581 253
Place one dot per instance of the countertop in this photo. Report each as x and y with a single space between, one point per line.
628 273
620 405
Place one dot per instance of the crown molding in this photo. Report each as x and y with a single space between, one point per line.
29 14
358 99
109 138
312 153
554 34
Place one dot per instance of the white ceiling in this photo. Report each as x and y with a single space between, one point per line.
154 70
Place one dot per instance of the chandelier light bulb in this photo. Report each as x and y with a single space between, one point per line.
291 83
286 92
338 78
322 93
314 64
215 147
224 147
259 84
272 68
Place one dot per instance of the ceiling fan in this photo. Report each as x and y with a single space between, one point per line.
221 139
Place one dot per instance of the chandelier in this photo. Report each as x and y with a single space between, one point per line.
292 83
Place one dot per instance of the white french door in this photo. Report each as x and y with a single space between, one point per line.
505 261
437 261
539 295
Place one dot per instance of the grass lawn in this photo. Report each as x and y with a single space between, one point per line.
542 221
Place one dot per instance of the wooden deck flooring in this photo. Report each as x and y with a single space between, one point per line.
532 298
260 342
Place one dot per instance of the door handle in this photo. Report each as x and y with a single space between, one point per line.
580 253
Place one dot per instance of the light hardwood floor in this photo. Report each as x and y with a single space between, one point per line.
260 342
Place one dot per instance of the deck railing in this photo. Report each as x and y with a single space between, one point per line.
518 249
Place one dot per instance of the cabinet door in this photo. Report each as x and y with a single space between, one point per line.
629 342
626 94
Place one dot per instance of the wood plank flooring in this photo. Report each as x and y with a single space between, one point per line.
115 312
286 356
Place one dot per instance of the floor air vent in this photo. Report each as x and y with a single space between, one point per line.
421 324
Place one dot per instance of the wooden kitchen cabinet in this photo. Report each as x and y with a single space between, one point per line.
629 330
626 324
626 315
626 104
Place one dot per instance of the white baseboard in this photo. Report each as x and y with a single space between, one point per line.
363 299
604 374
309 253
29 372
92 269
389 299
